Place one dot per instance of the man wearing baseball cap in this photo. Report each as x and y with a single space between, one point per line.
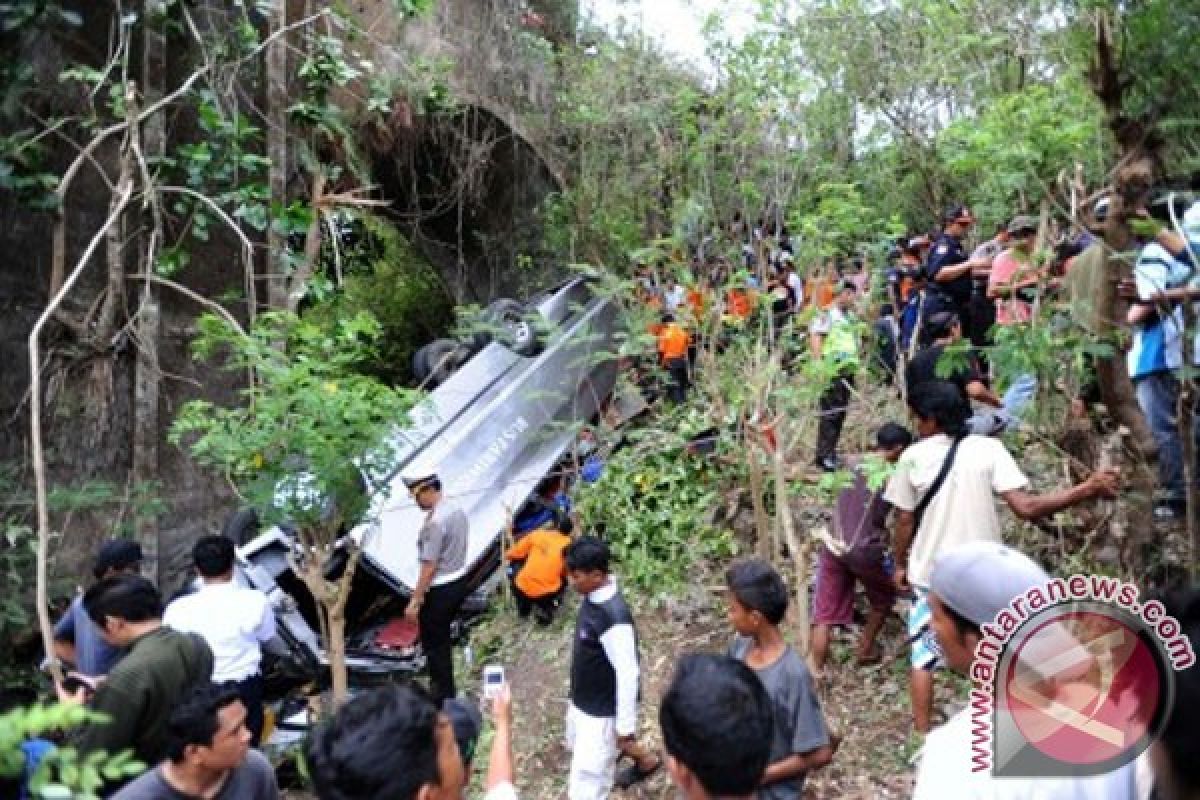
970 585
442 585
77 640
950 270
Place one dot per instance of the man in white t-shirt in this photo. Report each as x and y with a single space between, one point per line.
969 586
963 509
235 622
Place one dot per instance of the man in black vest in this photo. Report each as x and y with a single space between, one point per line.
602 717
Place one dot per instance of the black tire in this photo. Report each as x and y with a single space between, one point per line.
420 364
242 527
515 326
442 358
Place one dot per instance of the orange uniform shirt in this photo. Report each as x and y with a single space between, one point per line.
673 342
824 293
545 566
737 303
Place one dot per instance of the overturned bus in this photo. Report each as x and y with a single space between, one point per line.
505 415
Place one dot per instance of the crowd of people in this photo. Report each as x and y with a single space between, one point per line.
181 686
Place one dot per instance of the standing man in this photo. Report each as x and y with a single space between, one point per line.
161 666
834 340
673 344
982 313
1014 277
442 586
235 621
602 717
943 494
793 280
1165 280
77 640
949 269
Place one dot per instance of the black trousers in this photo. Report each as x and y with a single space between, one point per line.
250 691
441 606
832 405
543 607
677 370
978 328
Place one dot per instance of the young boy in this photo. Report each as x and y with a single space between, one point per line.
602 716
859 554
538 570
758 600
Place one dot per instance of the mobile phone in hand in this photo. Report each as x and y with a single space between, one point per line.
73 682
493 681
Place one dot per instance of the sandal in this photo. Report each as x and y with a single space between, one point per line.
633 774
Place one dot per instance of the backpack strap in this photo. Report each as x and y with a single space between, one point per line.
947 463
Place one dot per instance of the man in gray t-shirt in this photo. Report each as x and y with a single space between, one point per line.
253 779
799 723
443 540
208 754
441 587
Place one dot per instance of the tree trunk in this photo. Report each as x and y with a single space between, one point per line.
330 597
800 552
149 318
277 152
336 650
114 250
336 646
764 541
146 424
1137 163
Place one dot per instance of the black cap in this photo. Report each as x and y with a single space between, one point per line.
116 554
467 722
958 214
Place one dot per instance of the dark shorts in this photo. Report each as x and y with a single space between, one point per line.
834 603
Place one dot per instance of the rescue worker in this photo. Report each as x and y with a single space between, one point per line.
673 343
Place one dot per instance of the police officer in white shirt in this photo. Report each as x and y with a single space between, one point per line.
235 621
